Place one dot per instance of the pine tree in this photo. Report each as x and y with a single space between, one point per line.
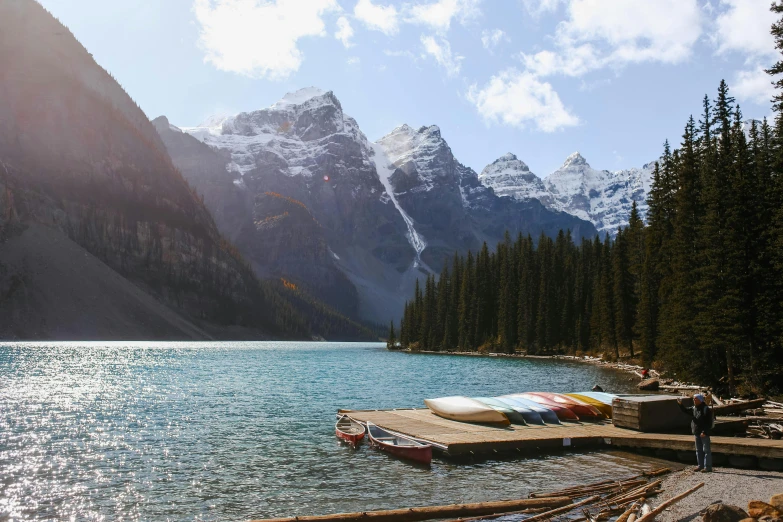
466 305
622 292
676 337
391 342
442 308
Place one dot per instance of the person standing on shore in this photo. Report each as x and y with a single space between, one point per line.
701 426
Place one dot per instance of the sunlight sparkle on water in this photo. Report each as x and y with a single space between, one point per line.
232 431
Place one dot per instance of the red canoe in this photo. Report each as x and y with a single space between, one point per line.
582 410
563 413
399 445
349 430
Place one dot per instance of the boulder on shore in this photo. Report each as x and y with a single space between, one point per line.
758 509
723 513
650 384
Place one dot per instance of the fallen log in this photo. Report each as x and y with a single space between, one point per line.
649 517
736 407
625 496
541 516
431 512
588 490
561 493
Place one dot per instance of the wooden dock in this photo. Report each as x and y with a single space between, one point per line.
462 439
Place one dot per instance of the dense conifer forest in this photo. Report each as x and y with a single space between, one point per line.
697 290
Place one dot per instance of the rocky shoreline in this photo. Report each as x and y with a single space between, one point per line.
728 486
632 369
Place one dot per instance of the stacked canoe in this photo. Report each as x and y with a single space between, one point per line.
523 409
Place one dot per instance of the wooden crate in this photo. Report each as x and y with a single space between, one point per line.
655 413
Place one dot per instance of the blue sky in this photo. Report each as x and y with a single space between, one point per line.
539 78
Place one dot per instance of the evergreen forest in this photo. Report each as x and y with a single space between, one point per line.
696 289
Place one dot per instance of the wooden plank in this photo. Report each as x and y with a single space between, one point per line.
736 407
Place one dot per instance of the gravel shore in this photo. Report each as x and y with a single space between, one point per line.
728 485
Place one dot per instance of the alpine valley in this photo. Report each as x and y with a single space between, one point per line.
281 222
306 197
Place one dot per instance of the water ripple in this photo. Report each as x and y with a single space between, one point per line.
232 431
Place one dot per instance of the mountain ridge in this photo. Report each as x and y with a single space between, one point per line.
82 161
378 218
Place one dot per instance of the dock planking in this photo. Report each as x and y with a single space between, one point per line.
459 438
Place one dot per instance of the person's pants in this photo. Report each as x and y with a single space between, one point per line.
703 452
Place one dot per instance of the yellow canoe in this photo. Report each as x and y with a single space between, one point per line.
600 406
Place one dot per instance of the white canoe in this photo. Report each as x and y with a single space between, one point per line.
465 409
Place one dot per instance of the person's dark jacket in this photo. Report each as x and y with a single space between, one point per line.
701 418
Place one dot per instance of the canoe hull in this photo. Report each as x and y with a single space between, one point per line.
563 413
545 415
582 410
422 456
463 409
530 415
605 409
513 415
349 430
349 438
399 445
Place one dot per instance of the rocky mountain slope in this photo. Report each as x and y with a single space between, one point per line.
79 158
452 210
346 242
372 217
602 197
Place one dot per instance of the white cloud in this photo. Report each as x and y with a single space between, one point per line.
344 32
520 99
353 60
438 15
377 17
441 51
744 26
258 39
754 85
540 7
601 33
577 61
491 39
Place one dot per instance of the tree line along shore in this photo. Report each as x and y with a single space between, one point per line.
696 291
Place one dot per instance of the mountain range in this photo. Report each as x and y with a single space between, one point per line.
601 197
284 222
371 217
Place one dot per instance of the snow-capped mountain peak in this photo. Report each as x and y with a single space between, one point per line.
575 160
421 152
300 97
510 176
297 130
600 196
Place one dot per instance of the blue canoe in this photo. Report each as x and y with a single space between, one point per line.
531 416
547 415
513 415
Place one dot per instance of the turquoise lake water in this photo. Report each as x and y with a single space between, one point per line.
233 431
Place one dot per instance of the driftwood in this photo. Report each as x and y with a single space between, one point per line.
541 516
736 407
574 491
655 512
589 490
431 512
630 511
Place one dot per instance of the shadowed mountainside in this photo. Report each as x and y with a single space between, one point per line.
79 157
